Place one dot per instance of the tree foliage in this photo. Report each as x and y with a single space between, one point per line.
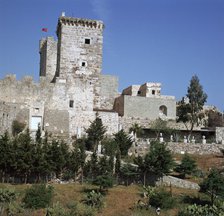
159 160
213 185
123 141
95 133
187 166
38 196
215 119
189 112
17 127
136 129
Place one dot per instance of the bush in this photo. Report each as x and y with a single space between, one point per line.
198 210
94 199
17 127
56 210
38 196
104 181
7 195
162 199
14 209
80 209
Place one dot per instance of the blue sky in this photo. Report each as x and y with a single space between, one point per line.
165 41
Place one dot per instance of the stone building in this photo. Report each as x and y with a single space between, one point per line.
72 88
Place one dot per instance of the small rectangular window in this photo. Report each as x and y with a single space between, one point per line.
71 103
87 41
139 92
83 64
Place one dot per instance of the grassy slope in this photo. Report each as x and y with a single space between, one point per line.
120 200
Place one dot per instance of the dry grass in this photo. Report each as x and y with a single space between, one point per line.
120 200
205 162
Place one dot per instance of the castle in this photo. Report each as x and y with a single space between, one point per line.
72 88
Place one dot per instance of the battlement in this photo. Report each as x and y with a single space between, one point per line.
79 22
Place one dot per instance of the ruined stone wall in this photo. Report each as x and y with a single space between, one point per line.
119 105
10 112
56 122
219 135
131 90
144 107
48 58
108 91
110 121
23 91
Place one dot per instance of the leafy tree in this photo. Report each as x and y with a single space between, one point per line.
110 147
17 127
118 163
123 141
5 155
160 126
215 119
95 133
213 185
77 158
187 166
189 112
159 160
142 167
24 162
94 167
162 199
38 196
128 172
38 135
136 129
59 157
104 181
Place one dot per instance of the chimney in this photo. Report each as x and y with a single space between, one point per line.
63 14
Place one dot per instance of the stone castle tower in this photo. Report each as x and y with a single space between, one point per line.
73 89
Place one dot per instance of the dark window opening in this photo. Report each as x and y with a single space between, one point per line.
139 92
71 103
83 64
87 41
153 92
163 110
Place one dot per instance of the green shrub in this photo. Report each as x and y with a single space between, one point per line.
80 210
94 199
198 210
104 181
38 196
7 195
14 209
17 127
56 210
162 199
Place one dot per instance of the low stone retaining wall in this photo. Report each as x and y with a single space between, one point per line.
176 182
200 149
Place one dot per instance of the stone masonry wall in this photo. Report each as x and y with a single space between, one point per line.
143 107
48 58
220 135
108 91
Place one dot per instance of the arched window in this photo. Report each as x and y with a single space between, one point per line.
163 110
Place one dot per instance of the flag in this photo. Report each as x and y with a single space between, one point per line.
44 29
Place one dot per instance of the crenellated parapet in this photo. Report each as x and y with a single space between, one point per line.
79 22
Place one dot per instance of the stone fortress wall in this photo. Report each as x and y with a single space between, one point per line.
72 88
